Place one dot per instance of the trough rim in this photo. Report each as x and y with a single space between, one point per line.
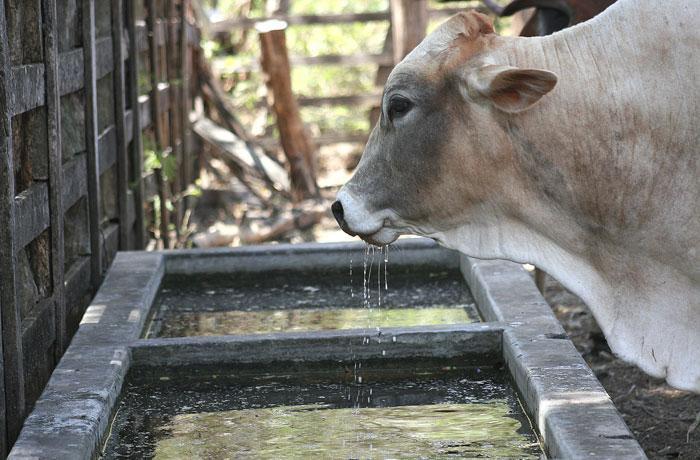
559 391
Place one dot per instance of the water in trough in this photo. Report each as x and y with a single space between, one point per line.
291 301
412 410
371 409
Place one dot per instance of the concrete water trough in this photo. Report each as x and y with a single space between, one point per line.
271 352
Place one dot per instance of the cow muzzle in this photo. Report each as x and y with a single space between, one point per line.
354 219
339 214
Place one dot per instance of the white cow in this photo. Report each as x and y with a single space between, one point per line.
578 152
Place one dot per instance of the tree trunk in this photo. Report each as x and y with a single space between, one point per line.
296 143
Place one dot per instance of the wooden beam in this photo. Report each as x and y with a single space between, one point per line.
32 213
345 18
272 143
409 21
104 61
27 88
57 211
297 145
225 26
74 180
91 141
70 71
12 400
122 156
153 51
136 149
326 59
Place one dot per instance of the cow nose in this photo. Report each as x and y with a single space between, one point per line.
339 215
337 209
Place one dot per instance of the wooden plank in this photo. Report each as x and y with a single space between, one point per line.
120 121
326 59
12 384
270 143
27 88
354 99
107 148
133 124
74 180
77 282
31 213
409 21
38 338
130 209
344 18
110 243
53 116
93 173
105 56
70 71
226 25
153 52
38 332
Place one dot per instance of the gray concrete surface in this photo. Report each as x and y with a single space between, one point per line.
571 410
301 257
71 417
477 343
567 404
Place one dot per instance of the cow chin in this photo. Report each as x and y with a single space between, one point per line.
383 237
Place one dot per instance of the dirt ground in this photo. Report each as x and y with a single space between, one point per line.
664 420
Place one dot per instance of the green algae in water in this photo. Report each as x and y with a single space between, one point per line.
305 319
423 410
240 303
298 432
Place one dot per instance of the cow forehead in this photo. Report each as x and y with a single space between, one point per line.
452 44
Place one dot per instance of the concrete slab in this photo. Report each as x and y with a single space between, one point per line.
70 419
301 257
570 408
477 344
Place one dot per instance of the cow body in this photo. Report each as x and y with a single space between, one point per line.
576 152
550 16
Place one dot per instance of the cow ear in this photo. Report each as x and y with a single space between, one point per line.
511 89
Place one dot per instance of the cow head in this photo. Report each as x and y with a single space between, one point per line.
437 159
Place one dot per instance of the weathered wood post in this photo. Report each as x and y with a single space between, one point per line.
409 21
297 146
157 118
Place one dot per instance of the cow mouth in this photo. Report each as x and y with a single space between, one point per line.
373 227
383 237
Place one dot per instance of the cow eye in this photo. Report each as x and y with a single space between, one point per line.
398 107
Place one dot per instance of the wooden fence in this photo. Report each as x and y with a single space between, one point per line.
89 91
408 21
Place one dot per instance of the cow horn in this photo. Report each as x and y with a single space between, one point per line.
517 5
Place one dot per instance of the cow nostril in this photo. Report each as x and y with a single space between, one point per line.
337 209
